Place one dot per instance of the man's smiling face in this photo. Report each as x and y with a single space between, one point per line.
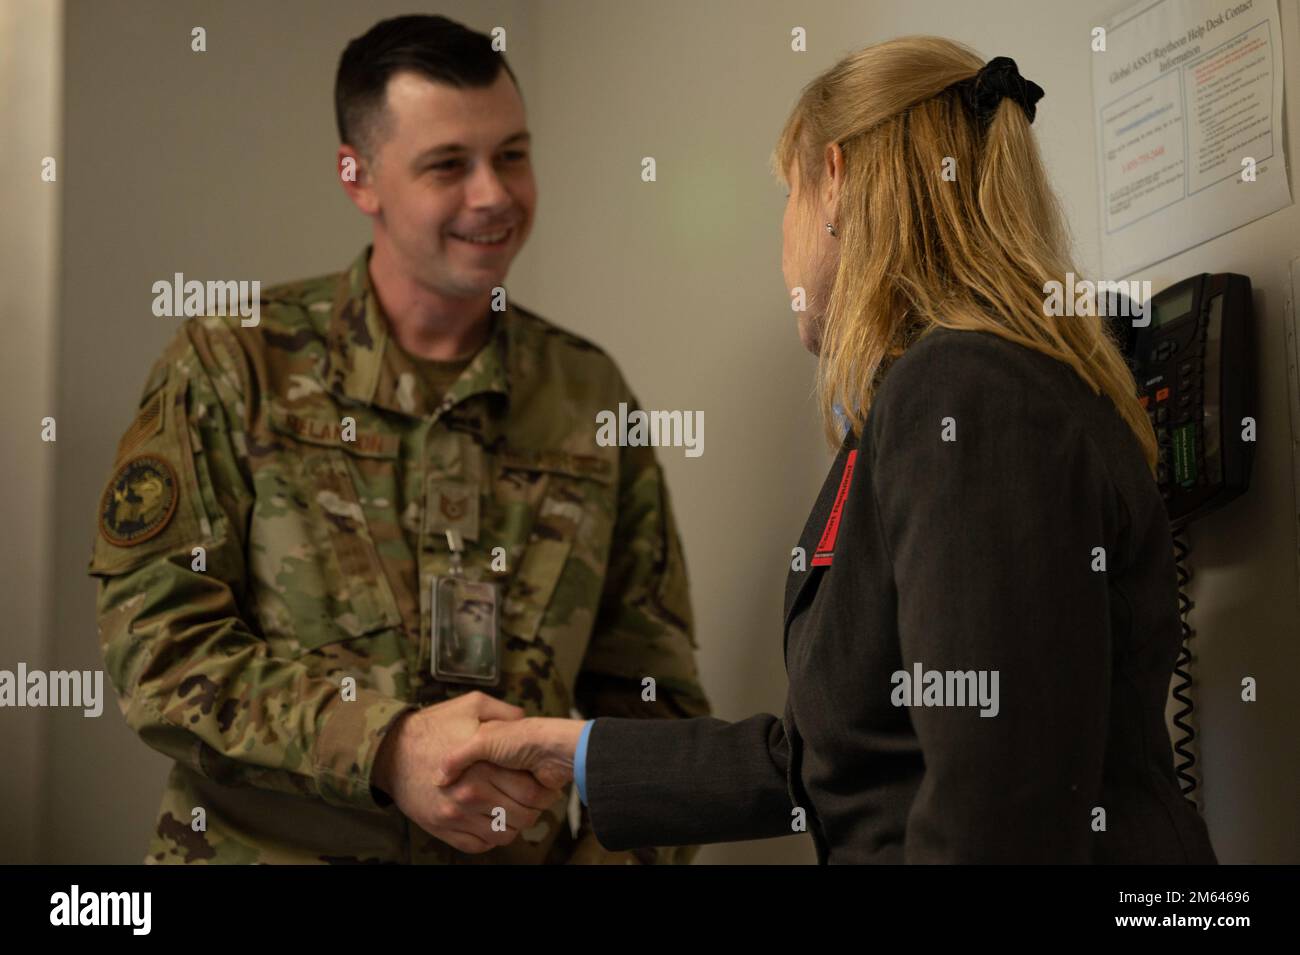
451 176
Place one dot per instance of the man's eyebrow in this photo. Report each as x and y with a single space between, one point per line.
455 149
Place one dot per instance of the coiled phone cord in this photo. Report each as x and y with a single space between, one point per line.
1186 759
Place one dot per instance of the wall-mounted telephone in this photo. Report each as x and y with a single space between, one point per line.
1193 365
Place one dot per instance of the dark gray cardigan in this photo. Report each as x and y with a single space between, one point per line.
999 516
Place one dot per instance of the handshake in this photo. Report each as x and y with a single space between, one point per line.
450 767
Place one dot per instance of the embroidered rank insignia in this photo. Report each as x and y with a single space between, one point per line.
139 502
454 506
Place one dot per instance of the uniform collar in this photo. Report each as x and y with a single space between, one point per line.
366 365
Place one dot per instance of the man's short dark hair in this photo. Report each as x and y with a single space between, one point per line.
439 49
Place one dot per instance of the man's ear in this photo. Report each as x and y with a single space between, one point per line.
354 172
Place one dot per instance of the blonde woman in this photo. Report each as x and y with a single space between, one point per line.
980 648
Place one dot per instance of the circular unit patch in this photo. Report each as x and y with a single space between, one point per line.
139 501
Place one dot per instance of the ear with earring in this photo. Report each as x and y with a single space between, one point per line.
831 229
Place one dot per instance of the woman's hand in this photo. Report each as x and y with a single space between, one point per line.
538 745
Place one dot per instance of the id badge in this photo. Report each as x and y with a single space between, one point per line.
466 636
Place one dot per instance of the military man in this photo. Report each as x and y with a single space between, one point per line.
335 541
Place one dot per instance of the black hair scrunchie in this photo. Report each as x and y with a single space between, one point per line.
998 79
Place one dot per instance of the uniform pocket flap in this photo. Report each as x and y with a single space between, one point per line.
587 466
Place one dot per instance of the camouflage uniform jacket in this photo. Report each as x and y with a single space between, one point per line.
252 555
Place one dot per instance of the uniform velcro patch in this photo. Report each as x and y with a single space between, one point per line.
139 501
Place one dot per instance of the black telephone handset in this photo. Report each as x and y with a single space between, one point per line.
1192 363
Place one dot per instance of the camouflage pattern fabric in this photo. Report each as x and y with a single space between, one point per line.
271 674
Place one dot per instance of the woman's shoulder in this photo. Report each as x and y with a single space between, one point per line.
1008 398
980 354
970 370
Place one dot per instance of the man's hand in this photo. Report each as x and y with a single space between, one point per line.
459 815
541 746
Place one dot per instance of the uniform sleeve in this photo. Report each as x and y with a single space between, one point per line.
644 626
194 677
994 504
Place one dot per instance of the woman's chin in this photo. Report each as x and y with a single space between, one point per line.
810 335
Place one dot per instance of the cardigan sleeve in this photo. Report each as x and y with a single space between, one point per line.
997 513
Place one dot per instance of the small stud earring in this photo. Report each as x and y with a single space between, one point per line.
831 229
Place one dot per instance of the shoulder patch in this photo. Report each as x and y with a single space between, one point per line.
139 501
